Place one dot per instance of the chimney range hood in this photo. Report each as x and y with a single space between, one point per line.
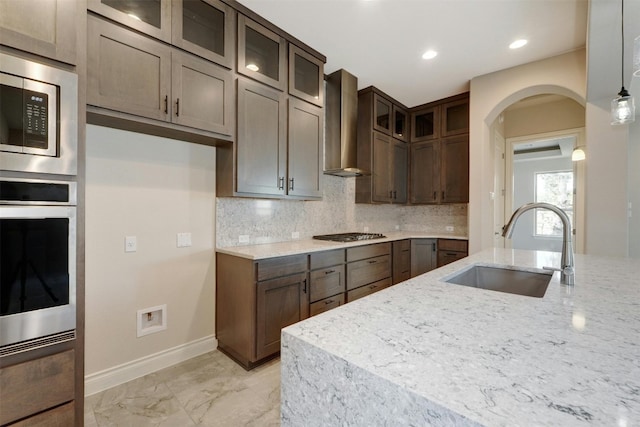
341 112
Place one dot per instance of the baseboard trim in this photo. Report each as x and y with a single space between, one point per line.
99 381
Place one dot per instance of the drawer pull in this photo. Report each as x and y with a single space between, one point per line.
304 289
373 286
452 254
328 302
329 271
372 262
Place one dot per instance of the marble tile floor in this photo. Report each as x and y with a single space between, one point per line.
208 390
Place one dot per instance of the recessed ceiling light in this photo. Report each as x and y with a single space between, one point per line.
430 54
518 44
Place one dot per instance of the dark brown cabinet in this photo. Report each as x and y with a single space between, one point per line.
202 27
401 261
255 300
306 76
368 269
450 250
278 150
439 163
387 159
400 129
45 28
425 123
424 256
37 386
133 74
327 280
262 53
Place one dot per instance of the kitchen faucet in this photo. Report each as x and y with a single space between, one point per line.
567 266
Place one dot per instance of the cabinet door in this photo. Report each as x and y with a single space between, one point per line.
455 117
425 124
400 123
399 167
152 17
423 256
280 302
202 94
401 261
455 169
326 282
380 172
425 173
306 76
204 27
262 53
261 156
305 150
360 273
382 114
46 28
127 72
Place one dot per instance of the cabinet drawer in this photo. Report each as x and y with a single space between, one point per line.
368 251
36 385
363 291
445 258
326 304
327 282
367 271
326 259
61 416
452 245
279 267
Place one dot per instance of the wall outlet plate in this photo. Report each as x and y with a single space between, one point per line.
183 240
449 228
243 238
151 320
295 235
130 244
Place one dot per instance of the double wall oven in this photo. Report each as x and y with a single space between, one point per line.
38 204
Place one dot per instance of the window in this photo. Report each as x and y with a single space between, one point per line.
555 188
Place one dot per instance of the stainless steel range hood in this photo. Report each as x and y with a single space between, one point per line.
340 149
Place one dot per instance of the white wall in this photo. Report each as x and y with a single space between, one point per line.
490 95
152 188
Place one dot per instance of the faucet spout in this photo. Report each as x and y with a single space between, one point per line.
567 268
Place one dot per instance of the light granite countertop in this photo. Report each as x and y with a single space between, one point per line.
294 247
426 352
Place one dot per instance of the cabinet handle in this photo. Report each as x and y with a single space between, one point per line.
328 302
451 254
443 195
329 271
435 195
390 194
304 284
395 194
281 183
373 286
291 184
178 107
372 262
166 104
433 247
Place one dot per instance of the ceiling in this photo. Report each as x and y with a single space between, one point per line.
382 41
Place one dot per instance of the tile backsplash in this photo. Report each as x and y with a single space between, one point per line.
266 221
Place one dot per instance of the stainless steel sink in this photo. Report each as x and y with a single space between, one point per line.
495 278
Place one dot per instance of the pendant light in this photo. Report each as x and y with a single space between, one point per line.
623 109
578 154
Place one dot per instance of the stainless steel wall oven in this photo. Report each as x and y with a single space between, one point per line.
37 259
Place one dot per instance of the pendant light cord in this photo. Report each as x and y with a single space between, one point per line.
622 37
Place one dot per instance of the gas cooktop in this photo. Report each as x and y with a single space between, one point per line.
349 237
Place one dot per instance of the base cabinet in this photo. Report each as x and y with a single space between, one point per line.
401 261
450 250
424 256
368 269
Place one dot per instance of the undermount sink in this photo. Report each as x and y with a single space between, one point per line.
496 278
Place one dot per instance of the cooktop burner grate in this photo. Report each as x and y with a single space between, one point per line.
349 237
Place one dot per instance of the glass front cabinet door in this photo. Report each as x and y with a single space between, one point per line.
261 54
306 76
152 17
400 123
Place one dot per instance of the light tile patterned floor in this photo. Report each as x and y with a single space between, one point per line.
209 390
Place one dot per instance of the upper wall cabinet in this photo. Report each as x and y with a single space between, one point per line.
262 53
133 74
46 28
306 76
203 27
440 119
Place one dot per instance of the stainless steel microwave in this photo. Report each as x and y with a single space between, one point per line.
38 117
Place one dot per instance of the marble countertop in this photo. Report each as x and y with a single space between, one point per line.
294 247
425 352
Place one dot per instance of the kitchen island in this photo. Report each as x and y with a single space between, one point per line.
426 352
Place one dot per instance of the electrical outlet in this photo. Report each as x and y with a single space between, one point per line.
243 238
183 240
366 229
295 235
397 227
130 244
449 228
152 320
